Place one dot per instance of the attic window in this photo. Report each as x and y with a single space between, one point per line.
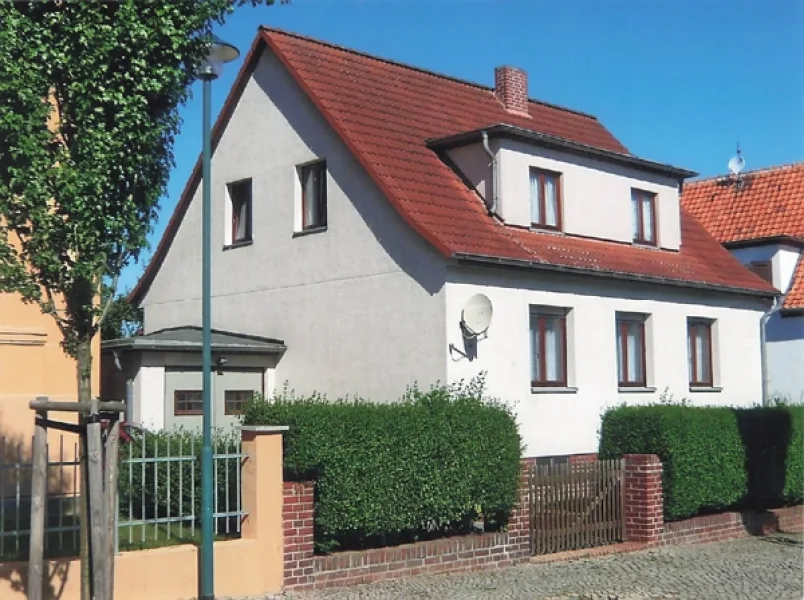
240 203
313 178
545 199
643 206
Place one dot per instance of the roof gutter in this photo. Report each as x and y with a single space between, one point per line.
529 264
559 143
789 240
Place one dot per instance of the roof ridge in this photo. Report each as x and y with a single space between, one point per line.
405 65
759 171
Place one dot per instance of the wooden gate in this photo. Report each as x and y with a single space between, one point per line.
576 506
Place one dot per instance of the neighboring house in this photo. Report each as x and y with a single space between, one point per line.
33 363
360 203
759 217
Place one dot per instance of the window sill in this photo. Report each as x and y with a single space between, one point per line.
309 231
705 389
553 390
625 389
238 245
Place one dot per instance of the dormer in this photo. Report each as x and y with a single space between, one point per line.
545 183
535 180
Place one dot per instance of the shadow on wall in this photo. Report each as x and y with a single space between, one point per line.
15 501
767 442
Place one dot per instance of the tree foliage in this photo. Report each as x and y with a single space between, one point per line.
122 319
89 99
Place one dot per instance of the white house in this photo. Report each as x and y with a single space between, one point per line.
760 219
360 203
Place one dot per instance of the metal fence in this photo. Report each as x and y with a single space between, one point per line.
159 488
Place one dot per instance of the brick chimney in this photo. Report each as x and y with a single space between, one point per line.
511 88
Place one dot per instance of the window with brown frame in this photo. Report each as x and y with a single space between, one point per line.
188 402
313 195
643 205
631 351
235 400
699 345
548 347
763 268
545 199
240 198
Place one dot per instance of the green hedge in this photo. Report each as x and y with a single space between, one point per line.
392 473
714 458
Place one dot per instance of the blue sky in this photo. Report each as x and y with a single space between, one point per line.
677 81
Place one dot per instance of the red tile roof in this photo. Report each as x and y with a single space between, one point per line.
385 112
794 300
769 203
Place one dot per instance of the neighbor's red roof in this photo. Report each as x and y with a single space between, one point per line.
385 112
769 203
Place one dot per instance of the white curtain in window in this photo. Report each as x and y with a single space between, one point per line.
551 201
535 199
553 349
535 350
241 220
635 214
632 360
312 216
702 353
647 219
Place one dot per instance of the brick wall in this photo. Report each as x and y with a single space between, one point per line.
511 89
644 513
303 570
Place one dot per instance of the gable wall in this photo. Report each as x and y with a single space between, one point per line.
360 306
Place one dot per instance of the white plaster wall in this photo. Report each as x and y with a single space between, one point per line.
785 337
567 423
149 396
474 164
350 302
783 259
596 196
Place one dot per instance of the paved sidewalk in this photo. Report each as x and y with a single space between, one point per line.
747 569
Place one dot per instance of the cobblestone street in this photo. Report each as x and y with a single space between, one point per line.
750 569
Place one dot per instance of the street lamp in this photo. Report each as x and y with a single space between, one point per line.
219 53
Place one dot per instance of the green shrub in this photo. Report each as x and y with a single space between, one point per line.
714 458
168 482
391 473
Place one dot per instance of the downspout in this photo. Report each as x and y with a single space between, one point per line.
494 173
763 323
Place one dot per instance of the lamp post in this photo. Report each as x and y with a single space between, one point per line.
219 53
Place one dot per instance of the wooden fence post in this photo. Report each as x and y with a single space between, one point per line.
36 557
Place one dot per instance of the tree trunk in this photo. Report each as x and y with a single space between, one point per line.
84 370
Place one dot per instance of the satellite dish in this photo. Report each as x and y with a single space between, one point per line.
737 163
476 315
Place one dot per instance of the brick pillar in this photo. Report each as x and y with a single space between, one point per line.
519 523
297 515
644 505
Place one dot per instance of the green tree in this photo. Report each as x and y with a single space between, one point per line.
122 319
89 99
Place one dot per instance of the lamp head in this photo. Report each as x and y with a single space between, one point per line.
218 54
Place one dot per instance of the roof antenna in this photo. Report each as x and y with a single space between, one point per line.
736 166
